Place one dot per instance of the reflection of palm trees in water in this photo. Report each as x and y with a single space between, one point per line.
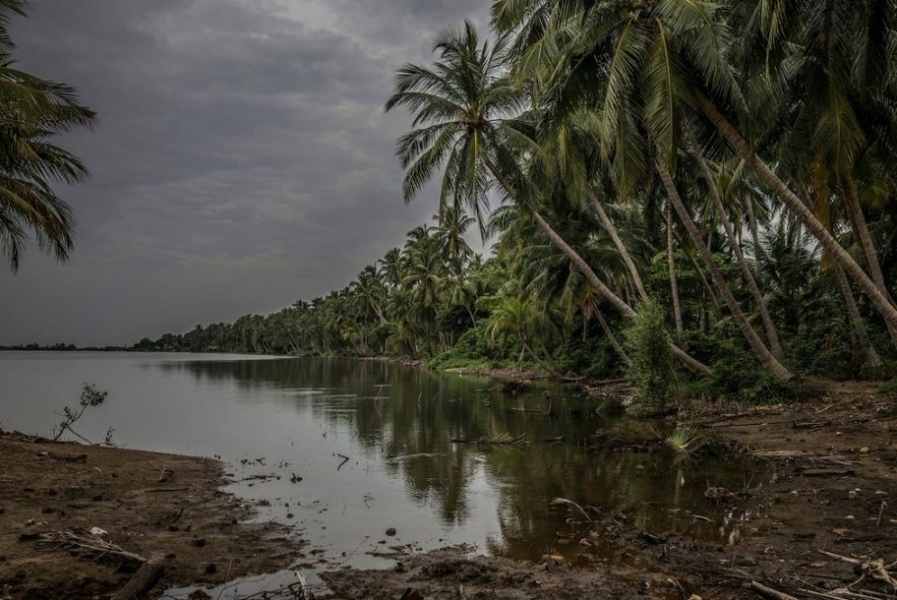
408 417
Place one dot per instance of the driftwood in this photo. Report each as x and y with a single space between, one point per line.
874 569
145 577
505 439
84 543
768 592
74 458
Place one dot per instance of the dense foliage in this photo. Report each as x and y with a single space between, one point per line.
724 165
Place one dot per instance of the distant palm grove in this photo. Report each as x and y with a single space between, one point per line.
698 194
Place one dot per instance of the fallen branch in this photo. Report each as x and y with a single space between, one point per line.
768 592
874 569
505 439
83 543
145 577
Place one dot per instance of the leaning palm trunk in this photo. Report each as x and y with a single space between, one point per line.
609 333
857 326
755 228
671 264
619 304
769 362
605 292
864 240
611 229
797 208
771 333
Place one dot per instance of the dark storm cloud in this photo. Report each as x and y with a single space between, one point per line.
242 158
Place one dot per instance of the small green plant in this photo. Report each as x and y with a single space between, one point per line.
651 365
90 397
684 440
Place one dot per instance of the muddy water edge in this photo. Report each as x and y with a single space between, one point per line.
384 449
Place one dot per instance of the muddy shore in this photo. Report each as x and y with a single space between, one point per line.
824 510
177 516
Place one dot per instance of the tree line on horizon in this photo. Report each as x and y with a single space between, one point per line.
699 189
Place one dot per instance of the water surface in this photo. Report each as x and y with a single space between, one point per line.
274 421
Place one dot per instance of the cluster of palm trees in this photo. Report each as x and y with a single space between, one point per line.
32 112
729 161
415 301
705 118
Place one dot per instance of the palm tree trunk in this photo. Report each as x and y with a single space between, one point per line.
608 332
771 334
714 301
857 326
671 263
625 310
793 202
769 362
864 237
865 242
605 292
611 229
755 229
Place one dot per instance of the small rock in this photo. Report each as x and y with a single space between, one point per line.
199 595
391 531
29 522
48 510
211 569
199 542
290 515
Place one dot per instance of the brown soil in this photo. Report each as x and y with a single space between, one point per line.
834 463
183 517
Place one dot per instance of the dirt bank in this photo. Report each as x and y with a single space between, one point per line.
825 510
179 516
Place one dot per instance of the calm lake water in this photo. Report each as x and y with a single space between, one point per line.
279 417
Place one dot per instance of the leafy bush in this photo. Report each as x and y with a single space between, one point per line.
737 376
651 365
472 349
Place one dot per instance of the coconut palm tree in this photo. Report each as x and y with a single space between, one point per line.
647 69
32 112
464 108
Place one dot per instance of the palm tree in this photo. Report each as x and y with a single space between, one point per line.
33 111
463 113
640 107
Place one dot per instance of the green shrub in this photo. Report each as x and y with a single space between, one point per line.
651 364
737 376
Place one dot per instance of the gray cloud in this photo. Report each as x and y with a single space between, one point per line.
242 158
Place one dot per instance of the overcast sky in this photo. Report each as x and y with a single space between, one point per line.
241 161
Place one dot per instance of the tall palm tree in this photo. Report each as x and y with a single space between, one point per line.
32 112
464 109
647 68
